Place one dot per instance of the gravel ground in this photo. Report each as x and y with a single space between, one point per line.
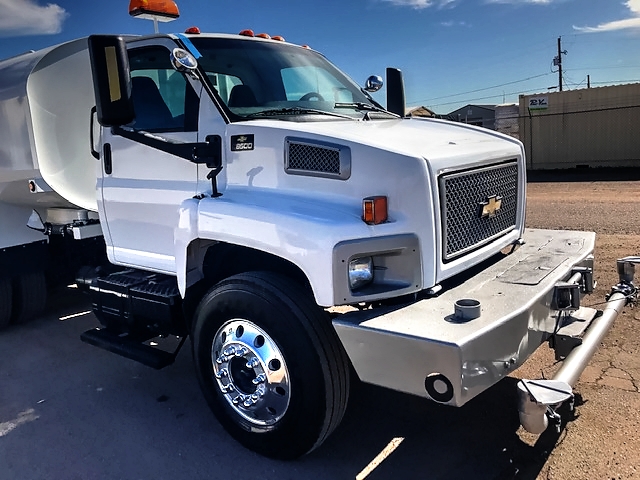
603 441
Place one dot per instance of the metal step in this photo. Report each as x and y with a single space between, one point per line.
571 331
129 348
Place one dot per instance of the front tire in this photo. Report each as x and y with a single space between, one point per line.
270 364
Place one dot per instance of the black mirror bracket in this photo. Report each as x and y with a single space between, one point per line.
212 175
210 153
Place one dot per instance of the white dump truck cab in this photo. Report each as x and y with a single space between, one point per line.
254 198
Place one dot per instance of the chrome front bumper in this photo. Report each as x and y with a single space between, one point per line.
424 349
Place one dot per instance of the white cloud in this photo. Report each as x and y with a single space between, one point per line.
420 4
26 17
633 22
524 2
453 24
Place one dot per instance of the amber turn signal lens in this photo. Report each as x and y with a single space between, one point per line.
374 210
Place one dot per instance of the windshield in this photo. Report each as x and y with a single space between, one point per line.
260 79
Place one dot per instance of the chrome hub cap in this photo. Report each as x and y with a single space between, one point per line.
250 372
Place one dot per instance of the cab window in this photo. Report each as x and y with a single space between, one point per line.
163 99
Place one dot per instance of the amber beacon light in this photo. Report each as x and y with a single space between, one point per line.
156 10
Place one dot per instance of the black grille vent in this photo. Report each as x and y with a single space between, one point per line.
321 160
463 195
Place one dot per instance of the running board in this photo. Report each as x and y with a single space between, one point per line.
130 348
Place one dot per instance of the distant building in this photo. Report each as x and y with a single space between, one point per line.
507 119
480 115
424 112
420 112
589 127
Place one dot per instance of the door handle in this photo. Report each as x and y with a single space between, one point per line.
94 152
108 166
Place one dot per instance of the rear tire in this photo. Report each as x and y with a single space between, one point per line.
270 364
5 302
29 296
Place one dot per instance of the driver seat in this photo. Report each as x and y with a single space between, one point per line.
242 96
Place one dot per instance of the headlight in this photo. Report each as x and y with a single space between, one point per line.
360 272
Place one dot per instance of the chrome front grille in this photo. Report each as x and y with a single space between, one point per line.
317 159
464 196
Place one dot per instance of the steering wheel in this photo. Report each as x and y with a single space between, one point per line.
310 95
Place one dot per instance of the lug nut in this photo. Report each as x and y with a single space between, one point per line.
253 363
222 373
259 379
221 359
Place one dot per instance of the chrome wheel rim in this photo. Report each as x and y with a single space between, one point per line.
250 372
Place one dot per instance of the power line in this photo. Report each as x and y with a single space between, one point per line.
482 89
485 98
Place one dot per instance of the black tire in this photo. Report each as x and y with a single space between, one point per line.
314 362
5 302
29 296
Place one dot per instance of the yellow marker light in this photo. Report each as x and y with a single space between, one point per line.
374 210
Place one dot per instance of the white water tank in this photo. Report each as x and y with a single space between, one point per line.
45 116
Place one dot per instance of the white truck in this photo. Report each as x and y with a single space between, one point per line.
238 190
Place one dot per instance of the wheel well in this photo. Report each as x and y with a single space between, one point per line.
221 260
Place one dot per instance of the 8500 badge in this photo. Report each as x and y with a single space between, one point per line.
241 143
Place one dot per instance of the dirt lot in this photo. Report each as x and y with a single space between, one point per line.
604 440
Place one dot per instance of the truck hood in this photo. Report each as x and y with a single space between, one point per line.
440 142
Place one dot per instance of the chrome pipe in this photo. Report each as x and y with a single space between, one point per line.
577 360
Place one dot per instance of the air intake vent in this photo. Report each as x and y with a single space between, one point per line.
317 159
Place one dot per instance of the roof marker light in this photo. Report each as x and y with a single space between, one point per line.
278 38
247 33
263 35
192 30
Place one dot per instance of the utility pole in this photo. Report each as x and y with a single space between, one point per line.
588 81
558 62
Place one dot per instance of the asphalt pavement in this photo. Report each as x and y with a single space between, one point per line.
70 411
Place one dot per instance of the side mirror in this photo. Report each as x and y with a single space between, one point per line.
183 61
373 83
111 80
395 92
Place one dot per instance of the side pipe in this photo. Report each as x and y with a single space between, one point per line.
577 360
537 400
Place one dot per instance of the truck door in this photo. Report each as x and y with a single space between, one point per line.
141 186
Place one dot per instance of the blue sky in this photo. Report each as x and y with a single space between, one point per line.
452 52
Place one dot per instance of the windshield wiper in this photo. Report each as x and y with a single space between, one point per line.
295 111
364 106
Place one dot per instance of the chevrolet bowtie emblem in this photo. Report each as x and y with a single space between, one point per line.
491 206
242 139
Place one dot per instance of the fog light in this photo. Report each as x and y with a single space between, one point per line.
360 272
